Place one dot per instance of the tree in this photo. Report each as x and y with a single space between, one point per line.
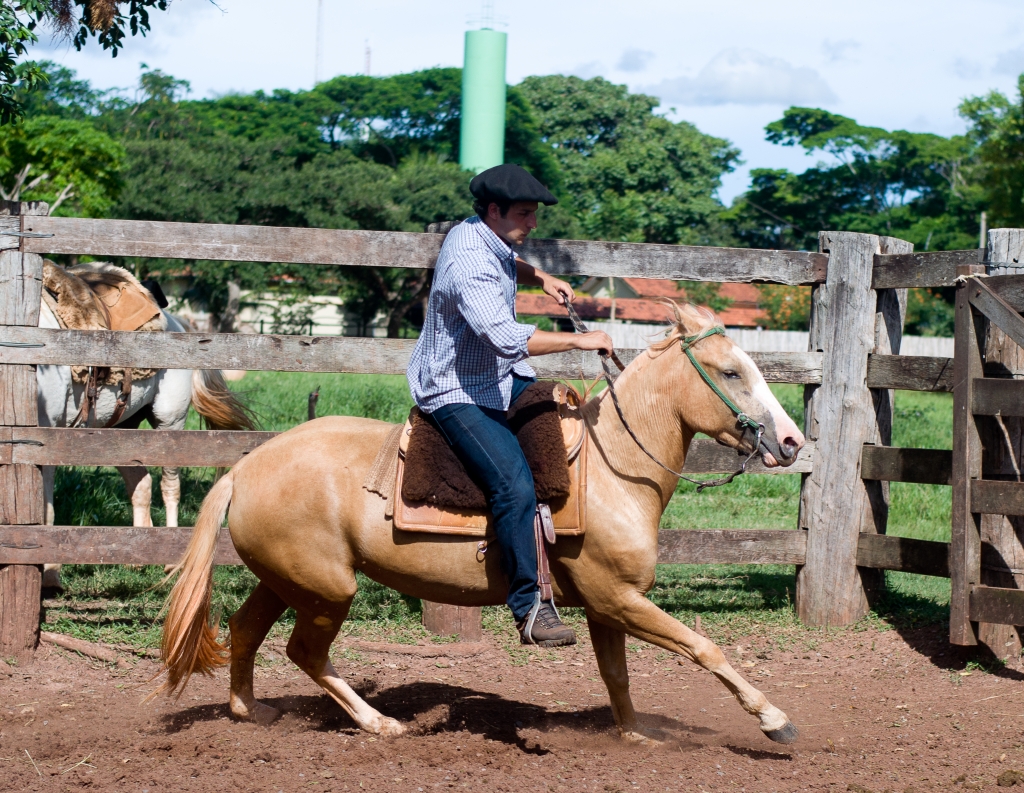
77 20
61 160
997 128
916 186
628 174
234 180
59 93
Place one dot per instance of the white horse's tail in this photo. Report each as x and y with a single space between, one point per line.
190 642
220 408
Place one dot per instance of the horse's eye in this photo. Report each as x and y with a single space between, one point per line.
731 375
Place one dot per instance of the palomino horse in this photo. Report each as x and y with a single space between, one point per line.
163 400
302 522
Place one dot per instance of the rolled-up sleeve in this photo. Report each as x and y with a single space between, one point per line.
485 310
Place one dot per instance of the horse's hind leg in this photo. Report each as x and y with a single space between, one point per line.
139 485
308 648
170 489
249 627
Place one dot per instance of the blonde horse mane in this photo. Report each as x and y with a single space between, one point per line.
688 319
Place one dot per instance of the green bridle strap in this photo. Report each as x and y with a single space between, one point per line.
686 342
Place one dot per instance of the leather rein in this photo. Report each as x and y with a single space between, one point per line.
686 343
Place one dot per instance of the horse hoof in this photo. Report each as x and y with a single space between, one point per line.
644 735
390 728
260 714
787 733
51 581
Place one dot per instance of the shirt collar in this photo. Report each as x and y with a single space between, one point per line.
500 248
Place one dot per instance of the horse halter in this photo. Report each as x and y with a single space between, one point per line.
685 343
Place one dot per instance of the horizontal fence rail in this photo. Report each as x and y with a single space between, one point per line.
23 345
217 448
998 605
36 544
895 464
304 353
910 372
937 268
220 448
151 239
924 557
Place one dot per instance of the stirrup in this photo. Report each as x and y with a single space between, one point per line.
531 617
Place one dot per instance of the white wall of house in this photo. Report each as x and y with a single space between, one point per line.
626 334
322 315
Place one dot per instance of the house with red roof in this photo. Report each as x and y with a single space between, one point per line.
637 300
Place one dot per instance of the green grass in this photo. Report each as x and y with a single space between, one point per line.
121 605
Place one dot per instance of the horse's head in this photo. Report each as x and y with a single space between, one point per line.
738 378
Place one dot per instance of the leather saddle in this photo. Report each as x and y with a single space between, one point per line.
101 296
568 511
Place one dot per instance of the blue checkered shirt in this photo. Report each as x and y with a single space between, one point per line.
471 343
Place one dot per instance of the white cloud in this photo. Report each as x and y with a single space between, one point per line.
746 77
838 50
586 71
967 69
634 60
1010 62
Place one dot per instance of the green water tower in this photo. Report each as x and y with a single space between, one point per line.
482 131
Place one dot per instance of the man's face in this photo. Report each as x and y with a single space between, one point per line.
516 226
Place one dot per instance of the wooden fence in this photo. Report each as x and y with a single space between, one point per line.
987 549
859 301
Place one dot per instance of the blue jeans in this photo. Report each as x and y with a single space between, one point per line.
482 440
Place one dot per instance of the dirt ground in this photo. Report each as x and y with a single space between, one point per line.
877 711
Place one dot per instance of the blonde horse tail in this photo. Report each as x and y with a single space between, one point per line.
190 640
220 408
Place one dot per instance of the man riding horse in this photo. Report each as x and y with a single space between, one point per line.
469 366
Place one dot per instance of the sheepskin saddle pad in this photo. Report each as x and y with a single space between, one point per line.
433 473
100 296
551 430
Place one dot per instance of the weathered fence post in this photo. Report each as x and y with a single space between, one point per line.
21 486
440 618
1002 442
965 530
890 315
849 320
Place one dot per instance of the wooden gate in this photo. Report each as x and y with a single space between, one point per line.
986 551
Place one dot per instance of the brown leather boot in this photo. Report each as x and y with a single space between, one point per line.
543 627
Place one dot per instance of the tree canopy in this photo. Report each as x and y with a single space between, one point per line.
381 153
997 129
911 185
75 20
627 173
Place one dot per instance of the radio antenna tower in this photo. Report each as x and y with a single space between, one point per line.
319 41
487 20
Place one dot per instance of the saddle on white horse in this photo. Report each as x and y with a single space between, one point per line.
101 296
429 490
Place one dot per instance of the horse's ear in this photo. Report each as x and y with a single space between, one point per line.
692 319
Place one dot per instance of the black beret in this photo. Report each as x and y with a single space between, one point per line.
509 182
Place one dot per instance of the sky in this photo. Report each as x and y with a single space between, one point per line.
730 68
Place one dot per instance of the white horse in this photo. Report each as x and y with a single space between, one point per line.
163 400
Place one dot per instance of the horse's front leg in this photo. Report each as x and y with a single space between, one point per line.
632 612
51 572
610 649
